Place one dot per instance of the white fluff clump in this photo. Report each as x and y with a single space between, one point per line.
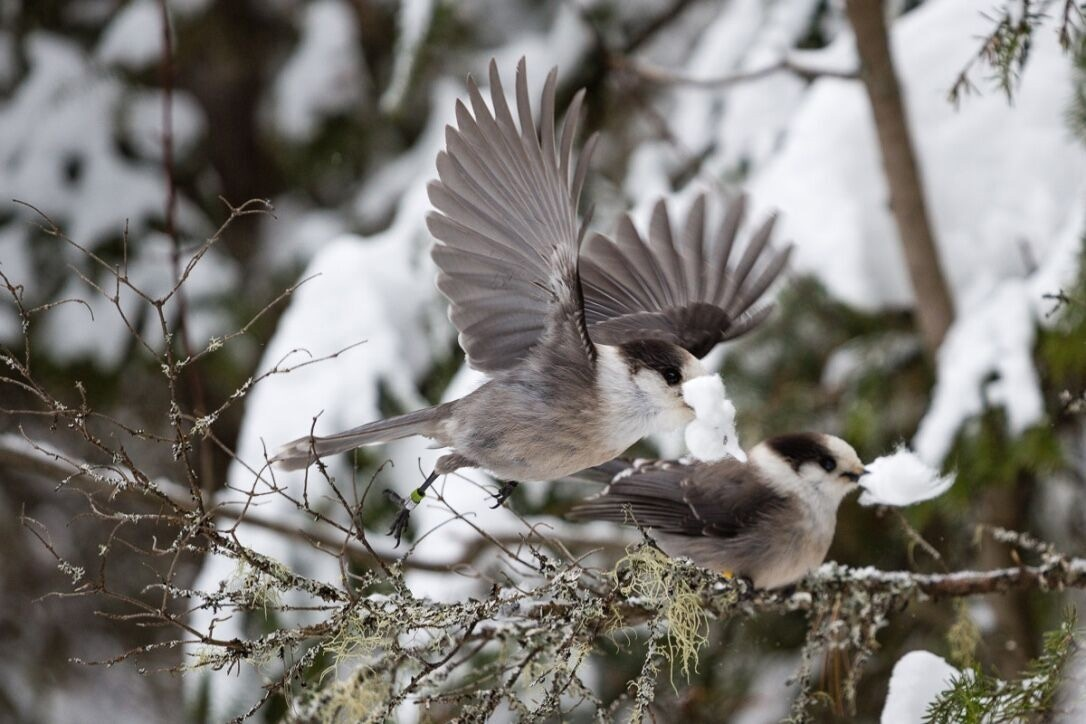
919 677
711 436
902 479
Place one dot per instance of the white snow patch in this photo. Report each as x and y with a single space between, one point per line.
381 192
987 357
562 45
772 689
142 123
325 76
902 479
918 678
414 22
995 175
58 151
1004 185
756 114
133 39
15 258
711 436
92 328
739 126
297 232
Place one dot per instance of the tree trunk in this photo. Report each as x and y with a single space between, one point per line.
934 309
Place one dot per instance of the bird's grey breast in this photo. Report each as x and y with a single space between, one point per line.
528 425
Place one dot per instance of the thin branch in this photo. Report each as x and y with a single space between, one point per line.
661 76
71 475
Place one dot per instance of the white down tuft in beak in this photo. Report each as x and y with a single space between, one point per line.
711 436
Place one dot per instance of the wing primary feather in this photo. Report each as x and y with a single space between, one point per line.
692 249
754 249
569 130
546 120
475 221
514 186
455 234
463 149
467 148
505 222
582 166
747 322
604 302
668 266
502 114
505 130
605 284
529 142
452 173
645 262
611 271
524 104
755 289
555 185
634 252
722 248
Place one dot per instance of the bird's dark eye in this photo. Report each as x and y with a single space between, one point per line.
672 375
827 463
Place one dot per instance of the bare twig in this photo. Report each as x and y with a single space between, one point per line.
661 76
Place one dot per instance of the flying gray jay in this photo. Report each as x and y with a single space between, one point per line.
586 347
770 519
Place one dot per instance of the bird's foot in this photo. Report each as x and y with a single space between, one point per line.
743 585
506 490
406 506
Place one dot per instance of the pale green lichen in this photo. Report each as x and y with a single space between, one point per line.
963 635
357 637
647 574
358 698
255 589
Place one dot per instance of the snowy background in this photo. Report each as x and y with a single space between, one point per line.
333 110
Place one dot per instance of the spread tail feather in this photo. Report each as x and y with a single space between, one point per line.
304 451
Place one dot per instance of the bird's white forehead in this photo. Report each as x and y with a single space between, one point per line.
844 453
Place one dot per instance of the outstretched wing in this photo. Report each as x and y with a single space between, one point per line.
682 288
506 225
721 500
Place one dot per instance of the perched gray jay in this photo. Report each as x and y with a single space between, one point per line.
770 519
586 348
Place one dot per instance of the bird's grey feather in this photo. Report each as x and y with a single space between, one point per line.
724 516
306 450
506 224
678 287
722 500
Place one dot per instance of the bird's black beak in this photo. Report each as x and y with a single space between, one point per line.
854 477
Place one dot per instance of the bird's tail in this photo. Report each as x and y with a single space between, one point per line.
306 450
